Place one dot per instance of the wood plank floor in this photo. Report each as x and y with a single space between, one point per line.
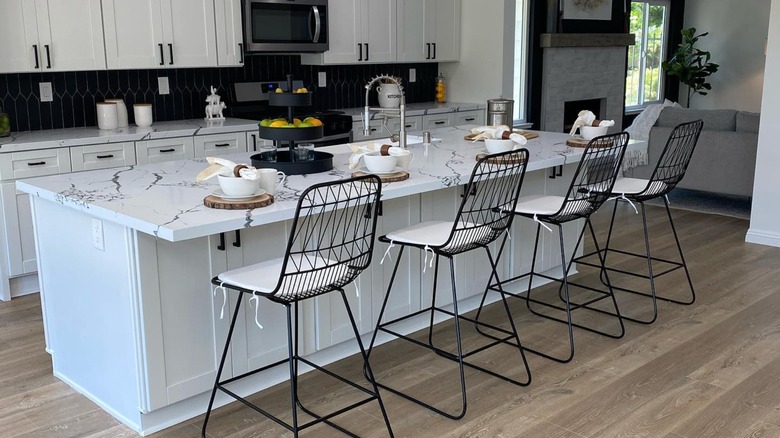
706 370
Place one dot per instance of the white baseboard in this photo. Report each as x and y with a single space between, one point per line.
761 237
24 285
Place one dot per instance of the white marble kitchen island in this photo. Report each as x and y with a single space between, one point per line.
126 255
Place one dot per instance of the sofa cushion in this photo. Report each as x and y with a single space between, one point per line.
714 120
748 122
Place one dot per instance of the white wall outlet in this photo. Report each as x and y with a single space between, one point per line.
97 234
47 94
322 79
162 85
412 75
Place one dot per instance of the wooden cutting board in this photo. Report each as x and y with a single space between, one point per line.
500 160
259 201
387 178
579 142
527 134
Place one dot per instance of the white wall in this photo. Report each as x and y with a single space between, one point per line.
765 215
485 69
737 38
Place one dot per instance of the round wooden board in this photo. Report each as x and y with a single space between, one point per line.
259 201
579 142
497 160
390 177
527 134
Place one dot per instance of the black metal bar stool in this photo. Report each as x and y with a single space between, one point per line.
330 244
483 217
590 187
668 172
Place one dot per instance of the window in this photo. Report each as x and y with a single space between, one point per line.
644 76
520 64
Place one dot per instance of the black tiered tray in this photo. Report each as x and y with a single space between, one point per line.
320 162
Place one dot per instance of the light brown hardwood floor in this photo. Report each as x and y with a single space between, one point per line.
706 370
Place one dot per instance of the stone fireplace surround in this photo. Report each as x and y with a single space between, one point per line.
583 67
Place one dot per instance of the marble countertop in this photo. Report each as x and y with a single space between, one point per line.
420 109
55 138
165 201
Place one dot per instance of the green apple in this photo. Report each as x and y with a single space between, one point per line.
266 122
305 124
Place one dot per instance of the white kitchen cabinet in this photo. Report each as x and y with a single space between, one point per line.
102 156
166 149
431 30
51 35
474 117
159 33
360 31
433 121
230 39
219 144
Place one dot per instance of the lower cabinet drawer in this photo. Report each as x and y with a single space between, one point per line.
166 149
437 121
219 144
102 156
29 164
470 118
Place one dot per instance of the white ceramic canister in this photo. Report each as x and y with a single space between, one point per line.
107 117
143 114
389 95
121 112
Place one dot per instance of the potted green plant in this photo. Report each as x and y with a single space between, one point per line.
691 65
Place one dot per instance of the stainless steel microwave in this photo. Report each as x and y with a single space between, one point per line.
286 25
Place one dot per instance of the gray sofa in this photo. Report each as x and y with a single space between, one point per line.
725 157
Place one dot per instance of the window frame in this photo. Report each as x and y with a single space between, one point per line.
643 56
520 61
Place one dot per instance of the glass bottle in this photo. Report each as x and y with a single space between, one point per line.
5 124
441 89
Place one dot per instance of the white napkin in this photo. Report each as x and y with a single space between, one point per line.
586 118
221 166
497 132
359 150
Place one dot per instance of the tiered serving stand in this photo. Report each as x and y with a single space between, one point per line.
287 160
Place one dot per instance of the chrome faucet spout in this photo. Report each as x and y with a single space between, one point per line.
401 109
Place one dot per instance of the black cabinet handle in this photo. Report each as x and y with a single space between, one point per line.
254 143
560 170
428 46
221 245
35 51
162 54
163 151
100 157
48 56
222 145
408 125
37 163
360 48
556 172
439 122
470 119
170 51
366 51
241 52
434 50
237 242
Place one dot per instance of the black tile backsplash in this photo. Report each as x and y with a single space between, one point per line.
75 93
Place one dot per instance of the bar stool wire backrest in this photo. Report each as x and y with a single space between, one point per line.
674 160
488 203
332 238
594 178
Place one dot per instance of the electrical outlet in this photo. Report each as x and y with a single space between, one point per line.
97 234
322 79
412 75
162 85
47 94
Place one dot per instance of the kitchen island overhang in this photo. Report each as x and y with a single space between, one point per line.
136 327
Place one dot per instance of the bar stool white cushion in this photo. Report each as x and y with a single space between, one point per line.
264 276
629 186
539 205
432 233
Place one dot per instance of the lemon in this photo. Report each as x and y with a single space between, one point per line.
278 123
279 90
315 122
296 122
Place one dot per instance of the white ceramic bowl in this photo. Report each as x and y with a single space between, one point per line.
234 186
591 132
495 146
376 162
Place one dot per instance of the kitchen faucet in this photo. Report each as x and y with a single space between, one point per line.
401 110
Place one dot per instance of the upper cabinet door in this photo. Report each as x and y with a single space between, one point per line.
446 30
379 18
190 37
71 35
344 32
18 35
230 42
134 35
412 43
